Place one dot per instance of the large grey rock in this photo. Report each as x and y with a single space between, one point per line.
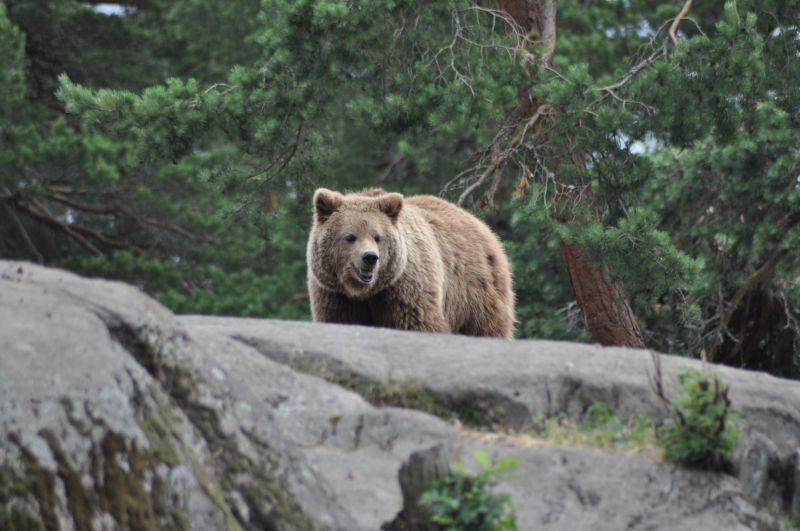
116 414
514 382
110 408
566 489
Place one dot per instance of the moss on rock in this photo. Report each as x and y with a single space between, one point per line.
413 395
26 495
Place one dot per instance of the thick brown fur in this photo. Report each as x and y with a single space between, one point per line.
438 268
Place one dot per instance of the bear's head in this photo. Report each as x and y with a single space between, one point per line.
356 246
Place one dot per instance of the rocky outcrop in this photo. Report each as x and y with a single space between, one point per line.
513 383
116 414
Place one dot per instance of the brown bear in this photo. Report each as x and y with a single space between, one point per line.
412 263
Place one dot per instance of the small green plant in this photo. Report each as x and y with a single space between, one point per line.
599 428
789 521
596 416
701 433
463 500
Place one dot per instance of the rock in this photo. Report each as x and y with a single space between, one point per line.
511 383
110 407
566 489
116 414
415 476
796 497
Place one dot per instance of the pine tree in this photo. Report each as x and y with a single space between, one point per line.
176 146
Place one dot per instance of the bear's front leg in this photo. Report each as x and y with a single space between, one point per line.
330 307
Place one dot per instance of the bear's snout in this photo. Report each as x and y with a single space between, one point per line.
369 259
365 267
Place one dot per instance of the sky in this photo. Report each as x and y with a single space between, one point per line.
110 9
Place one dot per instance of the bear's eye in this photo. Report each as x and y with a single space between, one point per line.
350 238
377 239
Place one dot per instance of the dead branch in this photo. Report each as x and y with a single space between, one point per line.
83 207
293 147
281 158
72 191
500 157
677 21
471 188
123 213
636 69
657 381
83 235
730 308
791 322
390 166
25 236
43 215
751 283
445 59
104 238
503 134
226 89
496 176
168 227
452 181
76 231
657 54
518 18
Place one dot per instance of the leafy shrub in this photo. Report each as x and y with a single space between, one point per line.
701 433
463 500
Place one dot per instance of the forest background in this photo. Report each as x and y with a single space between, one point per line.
640 159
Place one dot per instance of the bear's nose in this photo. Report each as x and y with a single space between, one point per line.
370 258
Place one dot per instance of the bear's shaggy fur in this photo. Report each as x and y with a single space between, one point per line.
412 263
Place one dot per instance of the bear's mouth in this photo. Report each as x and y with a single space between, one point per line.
364 276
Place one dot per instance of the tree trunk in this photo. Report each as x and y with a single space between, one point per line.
607 315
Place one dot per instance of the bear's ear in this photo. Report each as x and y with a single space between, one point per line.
326 202
391 205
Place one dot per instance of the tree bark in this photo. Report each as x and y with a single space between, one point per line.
607 315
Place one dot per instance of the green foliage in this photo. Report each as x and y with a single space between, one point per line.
463 500
692 171
545 307
161 148
701 433
599 429
12 75
790 521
